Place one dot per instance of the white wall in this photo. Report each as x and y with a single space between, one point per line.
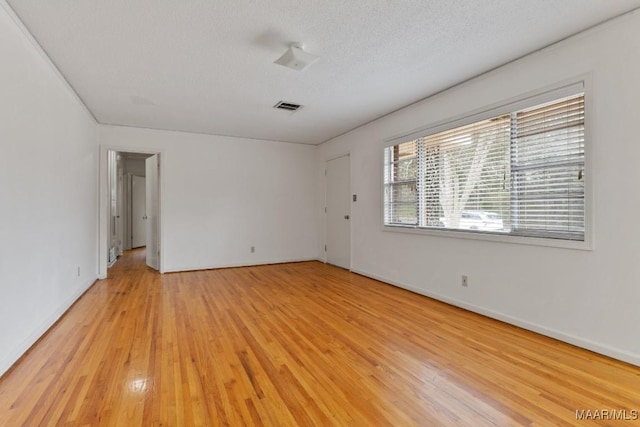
134 166
590 298
222 195
48 193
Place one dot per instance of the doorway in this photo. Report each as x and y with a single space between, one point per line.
138 212
130 217
338 211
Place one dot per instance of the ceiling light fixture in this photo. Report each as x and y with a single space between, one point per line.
296 58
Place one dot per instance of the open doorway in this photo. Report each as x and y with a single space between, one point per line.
136 232
129 206
133 201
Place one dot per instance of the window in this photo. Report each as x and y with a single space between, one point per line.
519 172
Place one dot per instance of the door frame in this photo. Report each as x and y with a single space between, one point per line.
324 223
103 203
120 195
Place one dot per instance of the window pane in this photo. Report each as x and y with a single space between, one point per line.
401 193
406 169
549 201
521 173
401 204
548 169
467 172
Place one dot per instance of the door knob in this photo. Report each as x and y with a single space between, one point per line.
346 217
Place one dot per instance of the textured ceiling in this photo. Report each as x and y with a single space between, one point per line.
207 66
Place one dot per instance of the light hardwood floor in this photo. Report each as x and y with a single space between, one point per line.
297 344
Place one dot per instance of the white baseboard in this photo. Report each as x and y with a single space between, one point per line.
615 353
249 264
36 334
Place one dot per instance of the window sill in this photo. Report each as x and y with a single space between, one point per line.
493 237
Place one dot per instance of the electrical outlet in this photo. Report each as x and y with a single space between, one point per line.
465 281
253 249
78 271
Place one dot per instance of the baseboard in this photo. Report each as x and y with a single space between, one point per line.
250 264
14 356
615 353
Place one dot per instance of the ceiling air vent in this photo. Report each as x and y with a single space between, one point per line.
289 106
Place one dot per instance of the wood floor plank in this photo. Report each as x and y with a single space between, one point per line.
297 344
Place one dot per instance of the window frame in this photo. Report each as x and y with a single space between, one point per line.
521 102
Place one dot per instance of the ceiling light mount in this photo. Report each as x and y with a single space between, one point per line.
296 58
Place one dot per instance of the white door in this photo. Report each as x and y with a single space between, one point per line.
153 212
338 216
138 212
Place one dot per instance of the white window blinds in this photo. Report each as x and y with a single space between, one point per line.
401 189
518 173
547 163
